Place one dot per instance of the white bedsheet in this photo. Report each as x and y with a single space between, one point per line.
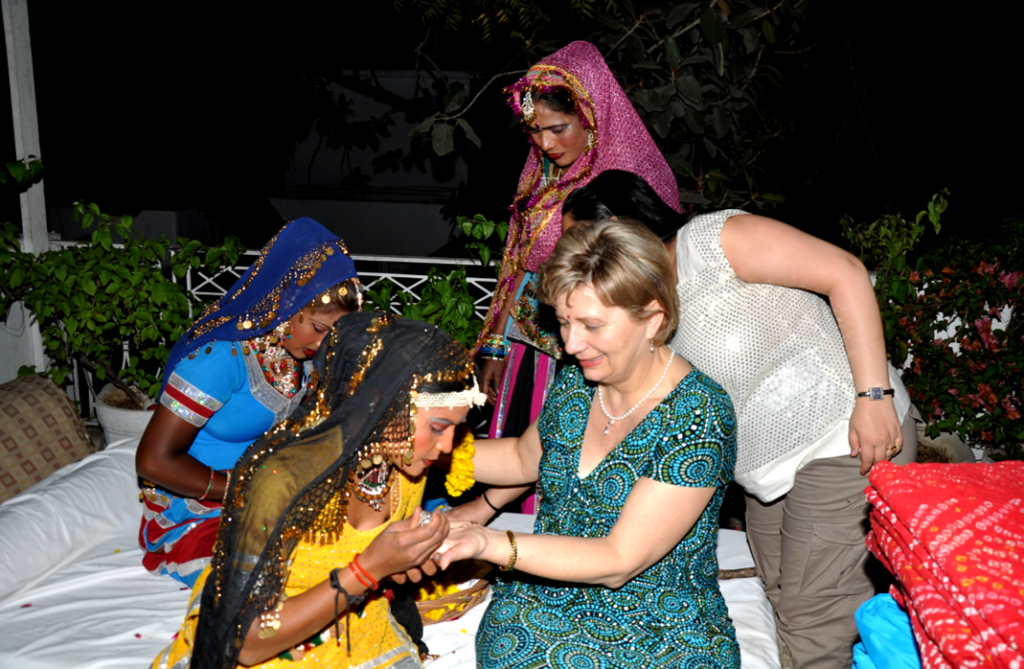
74 595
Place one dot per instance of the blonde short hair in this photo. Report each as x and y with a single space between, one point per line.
623 261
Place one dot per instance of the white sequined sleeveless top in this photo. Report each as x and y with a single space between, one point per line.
776 350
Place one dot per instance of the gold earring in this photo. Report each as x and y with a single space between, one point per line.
300 316
409 455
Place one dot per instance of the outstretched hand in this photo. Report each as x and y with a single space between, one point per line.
875 433
404 549
466 541
473 511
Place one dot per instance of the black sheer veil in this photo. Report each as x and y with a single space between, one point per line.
289 480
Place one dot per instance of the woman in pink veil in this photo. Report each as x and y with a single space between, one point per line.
580 123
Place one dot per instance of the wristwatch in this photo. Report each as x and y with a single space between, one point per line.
876 392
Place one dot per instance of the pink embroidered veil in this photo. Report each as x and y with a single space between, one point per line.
621 141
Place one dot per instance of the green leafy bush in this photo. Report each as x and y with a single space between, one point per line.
445 301
485 238
112 308
966 342
952 322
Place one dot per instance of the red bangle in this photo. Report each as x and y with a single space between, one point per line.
359 577
209 486
355 563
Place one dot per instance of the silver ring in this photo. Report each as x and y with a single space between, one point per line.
424 518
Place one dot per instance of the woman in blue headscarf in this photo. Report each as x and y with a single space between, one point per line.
240 369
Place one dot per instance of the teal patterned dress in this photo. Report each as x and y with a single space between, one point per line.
672 614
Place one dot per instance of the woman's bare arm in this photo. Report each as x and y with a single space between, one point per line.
642 535
163 458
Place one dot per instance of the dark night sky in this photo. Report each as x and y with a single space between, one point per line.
172 111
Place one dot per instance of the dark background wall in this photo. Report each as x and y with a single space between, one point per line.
201 109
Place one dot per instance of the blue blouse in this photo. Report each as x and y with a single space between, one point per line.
235 402
672 614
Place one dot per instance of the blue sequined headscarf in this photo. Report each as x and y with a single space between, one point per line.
302 261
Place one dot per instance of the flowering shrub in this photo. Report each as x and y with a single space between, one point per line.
965 340
952 322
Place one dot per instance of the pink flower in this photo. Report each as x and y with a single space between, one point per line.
984 326
1011 411
915 277
987 268
987 395
953 391
1010 279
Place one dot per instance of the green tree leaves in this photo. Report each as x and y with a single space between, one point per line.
698 87
112 308
21 174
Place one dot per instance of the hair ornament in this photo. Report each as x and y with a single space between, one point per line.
462 398
529 112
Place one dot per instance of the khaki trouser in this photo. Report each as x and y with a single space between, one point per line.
809 549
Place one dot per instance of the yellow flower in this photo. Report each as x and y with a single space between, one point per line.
460 477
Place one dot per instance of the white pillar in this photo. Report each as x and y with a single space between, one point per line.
24 345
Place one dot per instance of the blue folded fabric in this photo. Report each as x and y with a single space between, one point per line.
887 642
861 659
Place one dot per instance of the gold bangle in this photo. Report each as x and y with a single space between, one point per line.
513 552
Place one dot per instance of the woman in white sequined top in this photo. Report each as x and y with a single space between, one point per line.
803 378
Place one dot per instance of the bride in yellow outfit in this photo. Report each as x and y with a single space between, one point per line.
324 508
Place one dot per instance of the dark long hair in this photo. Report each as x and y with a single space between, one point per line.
624 195
366 372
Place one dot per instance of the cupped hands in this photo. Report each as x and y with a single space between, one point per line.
403 549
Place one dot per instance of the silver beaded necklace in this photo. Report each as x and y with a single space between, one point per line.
614 419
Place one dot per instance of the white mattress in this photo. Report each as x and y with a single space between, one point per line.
74 595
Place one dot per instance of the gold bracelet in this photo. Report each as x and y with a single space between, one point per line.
513 552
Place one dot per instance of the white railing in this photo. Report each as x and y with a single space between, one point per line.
408 273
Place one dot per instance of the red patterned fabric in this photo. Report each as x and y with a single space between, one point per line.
953 536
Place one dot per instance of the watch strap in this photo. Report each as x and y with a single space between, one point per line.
876 393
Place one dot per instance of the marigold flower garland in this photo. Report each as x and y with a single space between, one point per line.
460 476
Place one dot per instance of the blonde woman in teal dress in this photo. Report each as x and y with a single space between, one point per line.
631 454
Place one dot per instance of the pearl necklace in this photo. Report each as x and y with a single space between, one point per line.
614 419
